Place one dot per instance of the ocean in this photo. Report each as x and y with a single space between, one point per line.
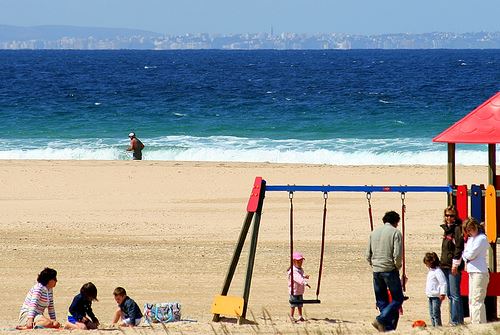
351 107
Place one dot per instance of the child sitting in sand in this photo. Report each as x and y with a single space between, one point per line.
128 311
435 288
80 314
299 284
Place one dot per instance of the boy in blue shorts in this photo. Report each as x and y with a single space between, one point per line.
128 311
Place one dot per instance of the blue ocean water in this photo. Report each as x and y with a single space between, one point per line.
325 107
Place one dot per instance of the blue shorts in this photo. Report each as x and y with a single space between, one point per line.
296 300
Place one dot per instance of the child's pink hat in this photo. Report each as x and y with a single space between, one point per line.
297 256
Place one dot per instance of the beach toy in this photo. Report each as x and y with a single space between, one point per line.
419 324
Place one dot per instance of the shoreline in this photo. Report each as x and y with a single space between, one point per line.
146 161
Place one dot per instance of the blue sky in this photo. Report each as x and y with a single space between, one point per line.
238 16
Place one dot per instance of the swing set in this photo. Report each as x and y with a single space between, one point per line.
237 306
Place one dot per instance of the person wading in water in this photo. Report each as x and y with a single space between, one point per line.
136 146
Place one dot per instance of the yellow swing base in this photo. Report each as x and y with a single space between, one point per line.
228 305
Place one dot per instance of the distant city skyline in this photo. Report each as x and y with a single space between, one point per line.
81 38
236 16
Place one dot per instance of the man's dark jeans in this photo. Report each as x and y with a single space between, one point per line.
389 311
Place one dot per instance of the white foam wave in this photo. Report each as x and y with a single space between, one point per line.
320 156
237 149
65 154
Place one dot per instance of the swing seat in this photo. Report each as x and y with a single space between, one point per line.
306 301
228 305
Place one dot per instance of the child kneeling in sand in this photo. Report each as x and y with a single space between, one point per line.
128 311
80 314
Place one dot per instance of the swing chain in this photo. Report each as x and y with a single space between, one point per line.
403 196
368 197
325 195
290 195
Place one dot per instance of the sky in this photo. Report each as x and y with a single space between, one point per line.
252 16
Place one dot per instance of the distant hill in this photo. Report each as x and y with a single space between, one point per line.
91 38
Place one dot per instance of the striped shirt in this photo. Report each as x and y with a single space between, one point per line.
37 300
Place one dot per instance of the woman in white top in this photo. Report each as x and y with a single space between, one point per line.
474 255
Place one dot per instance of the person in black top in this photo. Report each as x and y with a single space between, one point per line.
452 247
80 314
128 311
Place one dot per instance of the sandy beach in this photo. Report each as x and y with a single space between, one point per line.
166 231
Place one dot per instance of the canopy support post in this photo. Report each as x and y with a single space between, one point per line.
492 261
451 170
492 167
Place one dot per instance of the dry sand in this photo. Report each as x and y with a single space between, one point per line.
166 232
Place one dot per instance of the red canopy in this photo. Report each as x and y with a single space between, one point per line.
482 125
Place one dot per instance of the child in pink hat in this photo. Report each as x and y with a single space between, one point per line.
299 284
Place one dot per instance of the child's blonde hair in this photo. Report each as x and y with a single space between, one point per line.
119 291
